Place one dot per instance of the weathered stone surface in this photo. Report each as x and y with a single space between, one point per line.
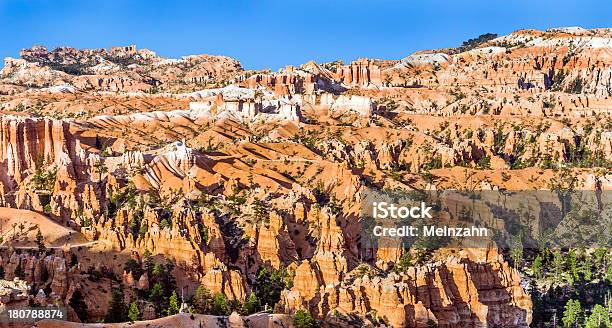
360 73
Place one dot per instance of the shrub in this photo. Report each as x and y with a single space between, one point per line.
251 305
219 305
575 86
134 312
302 319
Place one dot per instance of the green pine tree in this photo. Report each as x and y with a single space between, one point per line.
134 313
572 314
156 296
173 306
251 305
117 310
219 305
201 300
134 267
536 267
270 284
557 264
40 242
158 270
516 251
302 319
599 318
148 262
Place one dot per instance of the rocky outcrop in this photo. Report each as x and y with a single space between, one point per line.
50 271
13 294
473 289
362 73
289 81
258 320
44 149
361 105
25 141
525 61
119 69
243 106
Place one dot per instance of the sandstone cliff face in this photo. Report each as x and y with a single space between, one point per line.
361 73
24 141
467 290
288 82
50 273
44 149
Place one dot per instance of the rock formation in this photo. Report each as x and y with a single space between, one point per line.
361 73
140 166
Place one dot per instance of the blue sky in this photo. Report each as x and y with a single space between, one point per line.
271 34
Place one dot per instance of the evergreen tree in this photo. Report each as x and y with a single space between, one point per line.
572 313
167 279
557 264
101 168
74 260
173 306
269 285
586 268
158 270
406 261
134 313
538 314
77 303
599 318
40 242
516 251
218 305
302 319
98 143
431 324
600 255
157 297
201 300
117 310
251 305
536 267
148 262
572 261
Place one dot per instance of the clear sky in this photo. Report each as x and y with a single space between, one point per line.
271 34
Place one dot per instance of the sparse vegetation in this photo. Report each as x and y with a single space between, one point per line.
302 319
475 42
